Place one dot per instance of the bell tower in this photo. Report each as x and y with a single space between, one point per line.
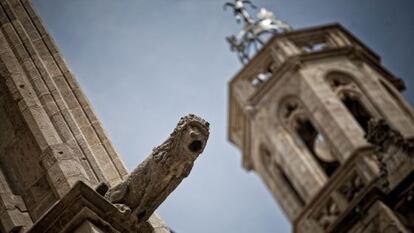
324 125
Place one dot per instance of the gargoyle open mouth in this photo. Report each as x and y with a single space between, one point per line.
195 146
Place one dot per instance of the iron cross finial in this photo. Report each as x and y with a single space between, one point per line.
253 32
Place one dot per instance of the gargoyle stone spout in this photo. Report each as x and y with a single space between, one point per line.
149 184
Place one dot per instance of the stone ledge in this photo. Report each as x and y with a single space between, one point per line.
83 204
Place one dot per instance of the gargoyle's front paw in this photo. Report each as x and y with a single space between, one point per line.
123 208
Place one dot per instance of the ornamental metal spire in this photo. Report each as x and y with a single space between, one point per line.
253 32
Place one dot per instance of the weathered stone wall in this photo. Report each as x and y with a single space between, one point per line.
50 137
34 65
20 161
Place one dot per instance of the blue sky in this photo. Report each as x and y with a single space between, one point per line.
143 64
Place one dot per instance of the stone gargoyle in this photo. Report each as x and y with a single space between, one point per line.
149 184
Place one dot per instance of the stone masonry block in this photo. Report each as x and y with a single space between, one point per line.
61 126
109 170
8 8
80 117
4 45
39 124
90 113
3 17
11 35
83 101
90 135
15 221
18 27
61 63
37 22
50 65
49 104
63 168
13 212
11 64
22 15
158 224
88 227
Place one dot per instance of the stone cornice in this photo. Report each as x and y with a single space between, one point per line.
295 62
304 32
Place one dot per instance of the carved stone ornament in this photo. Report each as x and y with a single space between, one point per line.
385 138
328 214
352 187
148 185
382 135
290 110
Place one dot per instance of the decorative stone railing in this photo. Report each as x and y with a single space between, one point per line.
362 179
395 153
340 196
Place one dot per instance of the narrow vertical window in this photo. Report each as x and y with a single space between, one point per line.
358 111
351 96
317 146
405 210
289 184
274 169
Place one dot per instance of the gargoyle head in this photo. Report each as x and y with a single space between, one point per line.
185 143
191 134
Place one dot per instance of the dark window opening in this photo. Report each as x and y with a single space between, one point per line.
405 210
289 109
360 113
314 47
269 164
262 77
317 146
290 186
338 79
406 215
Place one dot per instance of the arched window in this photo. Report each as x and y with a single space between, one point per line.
351 96
293 115
317 146
275 171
